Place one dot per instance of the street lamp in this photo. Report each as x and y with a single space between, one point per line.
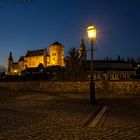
91 31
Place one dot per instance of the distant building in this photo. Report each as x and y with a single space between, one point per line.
79 68
37 58
110 70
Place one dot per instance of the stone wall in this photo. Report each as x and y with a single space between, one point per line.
122 87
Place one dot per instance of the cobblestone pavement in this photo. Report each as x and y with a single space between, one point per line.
64 116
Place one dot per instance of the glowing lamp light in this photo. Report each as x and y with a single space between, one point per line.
91 31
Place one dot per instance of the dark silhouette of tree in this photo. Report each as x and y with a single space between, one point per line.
119 58
70 64
73 54
128 59
107 58
73 65
2 68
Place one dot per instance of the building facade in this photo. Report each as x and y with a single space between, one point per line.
36 58
79 68
110 70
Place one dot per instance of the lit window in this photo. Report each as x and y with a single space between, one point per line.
53 54
15 71
114 75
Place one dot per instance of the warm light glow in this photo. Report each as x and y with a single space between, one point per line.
91 31
15 71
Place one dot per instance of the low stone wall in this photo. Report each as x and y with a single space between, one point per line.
122 87
119 87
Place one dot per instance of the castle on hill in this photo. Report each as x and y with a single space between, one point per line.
76 66
37 58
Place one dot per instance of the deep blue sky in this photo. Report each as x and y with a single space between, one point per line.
38 24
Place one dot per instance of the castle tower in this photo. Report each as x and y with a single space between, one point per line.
82 51
56 54
45 57
21 64
10 64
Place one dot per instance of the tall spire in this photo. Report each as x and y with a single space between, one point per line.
10 64
82 41
10 56
82 45
82 51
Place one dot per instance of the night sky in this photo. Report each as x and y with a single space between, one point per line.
37 24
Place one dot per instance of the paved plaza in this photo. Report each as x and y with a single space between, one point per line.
66 116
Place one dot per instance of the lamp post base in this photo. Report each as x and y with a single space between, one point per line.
92 93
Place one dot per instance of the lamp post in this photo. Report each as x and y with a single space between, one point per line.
91 31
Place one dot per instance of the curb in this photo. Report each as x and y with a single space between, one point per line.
98 117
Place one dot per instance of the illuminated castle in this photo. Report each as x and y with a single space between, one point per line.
36 58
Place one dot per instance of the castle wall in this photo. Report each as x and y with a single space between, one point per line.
34 61
112 87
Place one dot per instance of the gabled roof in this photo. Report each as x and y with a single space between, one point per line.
35 52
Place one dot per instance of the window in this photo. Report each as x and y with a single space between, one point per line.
121 75
53 54
126 75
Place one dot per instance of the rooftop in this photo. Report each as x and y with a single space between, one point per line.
35 52
56 43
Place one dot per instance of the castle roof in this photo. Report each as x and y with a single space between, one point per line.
35 52
56 43
10 56
21 58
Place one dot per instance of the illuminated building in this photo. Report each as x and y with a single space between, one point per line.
78 68
36 58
